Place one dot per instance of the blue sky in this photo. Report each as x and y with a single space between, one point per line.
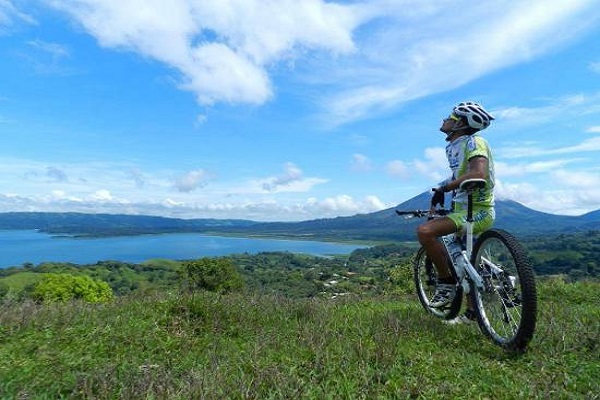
290 109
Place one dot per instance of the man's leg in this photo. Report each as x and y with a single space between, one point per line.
428 233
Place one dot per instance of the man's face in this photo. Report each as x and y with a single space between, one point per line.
449 123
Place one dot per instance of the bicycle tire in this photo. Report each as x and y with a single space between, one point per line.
425 278
506 308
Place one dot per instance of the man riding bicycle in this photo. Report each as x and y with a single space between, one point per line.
469 157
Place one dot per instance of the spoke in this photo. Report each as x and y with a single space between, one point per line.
508 314
507 303
504 314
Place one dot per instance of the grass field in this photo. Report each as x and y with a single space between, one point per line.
243 346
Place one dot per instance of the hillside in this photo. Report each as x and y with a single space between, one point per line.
244 346
108 224
386 225
382 225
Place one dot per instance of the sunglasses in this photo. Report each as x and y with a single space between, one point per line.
453 117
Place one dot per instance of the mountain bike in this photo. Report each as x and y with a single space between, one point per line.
493 271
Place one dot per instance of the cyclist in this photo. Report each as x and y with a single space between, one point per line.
469 156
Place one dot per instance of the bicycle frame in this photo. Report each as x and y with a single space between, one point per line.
464 269
468 186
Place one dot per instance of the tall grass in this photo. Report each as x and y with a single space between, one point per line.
262 347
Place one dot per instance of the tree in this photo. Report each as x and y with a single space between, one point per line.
212 274
65 287
400 279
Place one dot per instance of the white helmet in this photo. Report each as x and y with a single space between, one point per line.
476 116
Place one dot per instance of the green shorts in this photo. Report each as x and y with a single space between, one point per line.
483 217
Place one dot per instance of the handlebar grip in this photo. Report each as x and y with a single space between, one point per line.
405 212
422 213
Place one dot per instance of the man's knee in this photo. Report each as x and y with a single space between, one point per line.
425 233
431 230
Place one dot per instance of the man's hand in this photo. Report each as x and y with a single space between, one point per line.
438 197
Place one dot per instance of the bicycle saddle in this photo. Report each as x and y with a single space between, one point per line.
472 184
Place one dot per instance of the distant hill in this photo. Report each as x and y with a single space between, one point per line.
109 224
381 225
386 225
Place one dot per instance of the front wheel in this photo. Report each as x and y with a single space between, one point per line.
507 305
425 277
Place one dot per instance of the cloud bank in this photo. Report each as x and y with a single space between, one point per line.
228 51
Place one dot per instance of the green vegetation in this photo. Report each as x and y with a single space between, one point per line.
576 255
281 325
214 275
65 287
243 346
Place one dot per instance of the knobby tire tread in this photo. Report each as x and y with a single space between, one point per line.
526 274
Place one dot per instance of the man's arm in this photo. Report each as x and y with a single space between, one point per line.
478 169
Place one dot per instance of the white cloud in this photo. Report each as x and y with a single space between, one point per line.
343 205
103 201
55 50
292 174
537 150
9 13
56 174
191 181
595 67
126 189
560 198
435 164
48 58
361 163
593 129
399 63
373 203
137 176
398 168
102 195
292 180
568 107
503 169
226 51
221 49
576 179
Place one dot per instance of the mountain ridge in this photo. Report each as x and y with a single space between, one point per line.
386 225
380 225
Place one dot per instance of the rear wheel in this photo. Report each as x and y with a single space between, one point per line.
425 277
507 305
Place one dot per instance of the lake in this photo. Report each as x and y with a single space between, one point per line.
25 246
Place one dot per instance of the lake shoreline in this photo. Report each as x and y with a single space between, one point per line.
35 246
304 237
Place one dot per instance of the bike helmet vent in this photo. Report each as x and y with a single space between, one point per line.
476 116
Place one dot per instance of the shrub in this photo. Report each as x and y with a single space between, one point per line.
212 274
65 287
400 279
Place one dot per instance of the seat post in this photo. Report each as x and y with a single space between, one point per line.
470 185
470 206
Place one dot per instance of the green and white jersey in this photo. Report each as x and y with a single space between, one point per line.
458 153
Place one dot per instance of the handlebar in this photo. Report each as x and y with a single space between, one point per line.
422 213
469 186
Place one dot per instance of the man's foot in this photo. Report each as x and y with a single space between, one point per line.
467 318
443 295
